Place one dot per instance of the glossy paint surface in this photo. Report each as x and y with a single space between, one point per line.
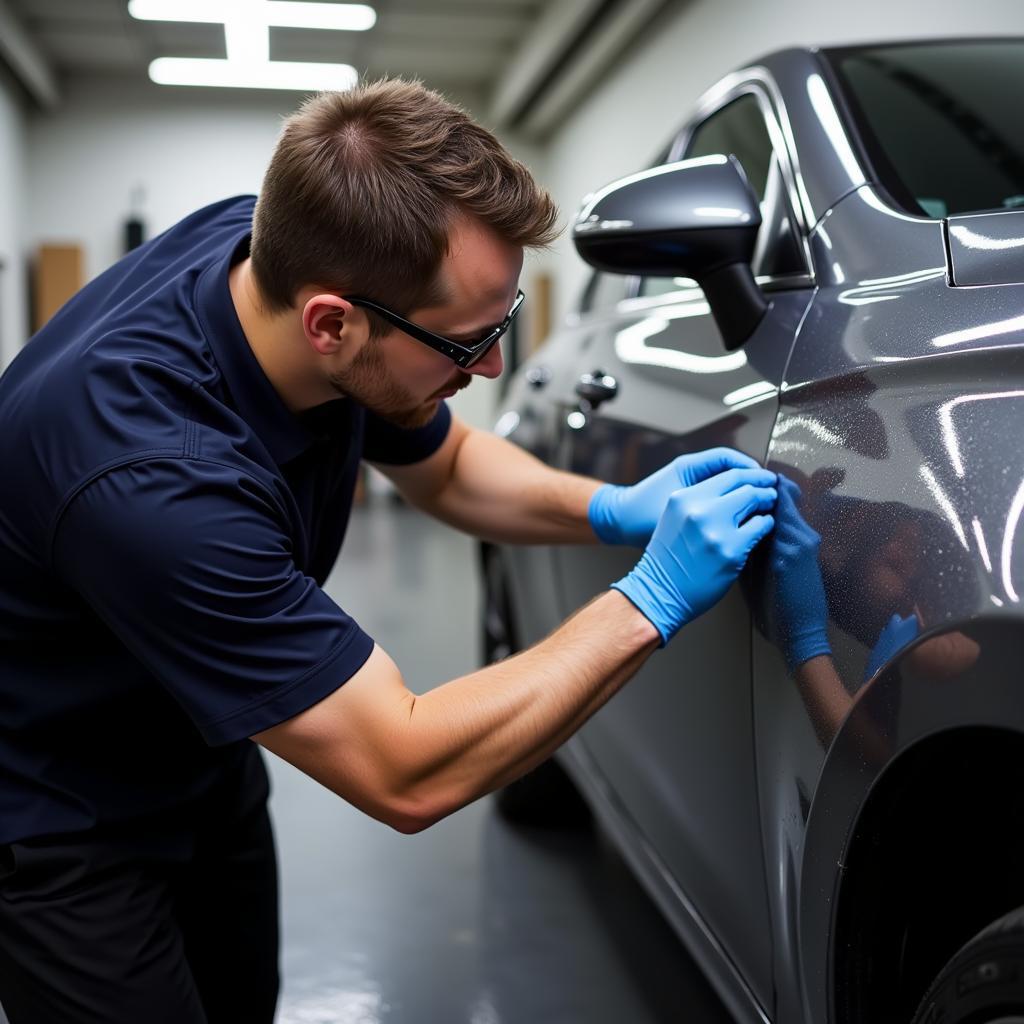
896 416
689 712
894 397
986 248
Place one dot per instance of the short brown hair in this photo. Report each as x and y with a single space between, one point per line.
364 185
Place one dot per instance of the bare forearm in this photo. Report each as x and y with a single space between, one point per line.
411 760
499 492
481 731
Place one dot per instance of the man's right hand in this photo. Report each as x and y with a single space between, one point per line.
699 546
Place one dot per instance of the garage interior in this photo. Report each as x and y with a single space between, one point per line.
473 920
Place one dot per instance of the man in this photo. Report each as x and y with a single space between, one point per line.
180 449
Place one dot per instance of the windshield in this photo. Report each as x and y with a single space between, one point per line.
940 122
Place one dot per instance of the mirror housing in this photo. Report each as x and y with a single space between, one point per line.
694 218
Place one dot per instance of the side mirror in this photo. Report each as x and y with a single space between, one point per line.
694 218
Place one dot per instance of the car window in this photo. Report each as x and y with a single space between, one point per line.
603 291
738 128
941 122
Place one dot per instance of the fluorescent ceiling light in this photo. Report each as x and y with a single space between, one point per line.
247 26
271 74
277 13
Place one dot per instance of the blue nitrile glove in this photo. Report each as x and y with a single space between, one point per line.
628 515
800 606
699 546
897 633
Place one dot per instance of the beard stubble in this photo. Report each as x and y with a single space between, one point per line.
368 381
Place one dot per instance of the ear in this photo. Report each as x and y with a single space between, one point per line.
332 324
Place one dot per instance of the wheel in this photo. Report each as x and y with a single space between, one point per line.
497 628
984 982
545 796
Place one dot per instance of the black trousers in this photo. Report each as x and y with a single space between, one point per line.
173 922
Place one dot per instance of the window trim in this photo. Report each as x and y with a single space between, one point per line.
759 83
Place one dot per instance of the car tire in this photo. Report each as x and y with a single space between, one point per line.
543 798
497 633
984 982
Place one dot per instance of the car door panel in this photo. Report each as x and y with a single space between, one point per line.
676 744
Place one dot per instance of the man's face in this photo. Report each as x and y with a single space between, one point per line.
403 380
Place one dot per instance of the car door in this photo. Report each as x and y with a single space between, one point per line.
676 745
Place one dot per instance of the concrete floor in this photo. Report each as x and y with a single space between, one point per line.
471 921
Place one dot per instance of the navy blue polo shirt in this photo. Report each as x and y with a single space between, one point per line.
166 524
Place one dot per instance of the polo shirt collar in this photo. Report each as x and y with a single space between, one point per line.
284 434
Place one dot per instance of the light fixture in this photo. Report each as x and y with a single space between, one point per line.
278 13
247 26
277 74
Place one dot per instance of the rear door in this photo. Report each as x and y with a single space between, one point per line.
676 745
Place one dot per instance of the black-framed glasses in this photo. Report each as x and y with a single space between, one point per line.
462 354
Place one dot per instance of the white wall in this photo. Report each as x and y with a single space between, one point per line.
186 147
183 147
646 96
13 311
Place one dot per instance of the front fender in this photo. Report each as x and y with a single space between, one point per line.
913 474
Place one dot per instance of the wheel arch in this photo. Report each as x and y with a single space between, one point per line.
889 821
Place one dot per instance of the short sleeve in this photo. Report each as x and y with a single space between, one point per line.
384 442
190 564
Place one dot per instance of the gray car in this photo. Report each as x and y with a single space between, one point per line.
825 271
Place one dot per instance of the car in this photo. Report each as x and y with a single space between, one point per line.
825 271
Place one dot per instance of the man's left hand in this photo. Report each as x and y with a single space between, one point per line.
628 515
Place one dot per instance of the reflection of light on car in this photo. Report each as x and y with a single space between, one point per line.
721 211
583 221
972 240
911 277
982 546
949 431
507 423
851 298
868 196
812 426
793 448
750 393
980 332
1012 519
829 118
631 345
942 500
874 289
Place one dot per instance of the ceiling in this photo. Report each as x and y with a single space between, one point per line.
523 64
460 44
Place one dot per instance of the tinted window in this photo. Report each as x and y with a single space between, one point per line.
941 123
739 128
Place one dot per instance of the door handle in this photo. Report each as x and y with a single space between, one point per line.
538 377
595 388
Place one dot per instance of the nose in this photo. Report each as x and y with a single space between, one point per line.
491 365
